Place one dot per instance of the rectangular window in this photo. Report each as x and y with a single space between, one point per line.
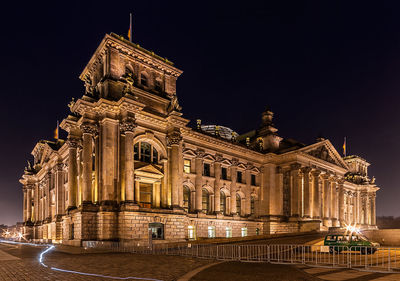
186 166
253 179
211 232
206 169
239 176
157 230
244 231
228 232
224 173
71 231
191 232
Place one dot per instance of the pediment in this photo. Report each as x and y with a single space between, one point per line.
150 169
325 151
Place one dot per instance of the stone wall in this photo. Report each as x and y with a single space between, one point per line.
385 237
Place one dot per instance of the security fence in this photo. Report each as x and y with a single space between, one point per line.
363 258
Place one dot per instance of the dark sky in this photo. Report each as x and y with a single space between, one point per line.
325 68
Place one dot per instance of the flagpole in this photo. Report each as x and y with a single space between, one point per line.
130 27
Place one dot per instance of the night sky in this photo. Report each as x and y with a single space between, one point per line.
325 69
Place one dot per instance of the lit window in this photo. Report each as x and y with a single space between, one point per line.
253 179
211 232
206 170
239 177
228 232
191 232
157 230
186 166
145 152
224 174
205 200
238 204
244 231
257 231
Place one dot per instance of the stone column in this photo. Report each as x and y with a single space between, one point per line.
217 175
47 207
88 131
164 187
25 204
29 189
128 127
36 202
72 172
373 216
233 186
326 201
307 189
365 203
349 201
173 140
137 191
358 200
198 179
334 206
60 200
157 193
316 195
247 191
296 190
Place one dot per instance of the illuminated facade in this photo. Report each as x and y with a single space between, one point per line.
132 166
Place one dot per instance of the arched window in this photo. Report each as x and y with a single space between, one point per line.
145 152
143 80
223 202
238 204
252 207
205 201
186 198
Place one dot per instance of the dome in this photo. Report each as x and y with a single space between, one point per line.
223 132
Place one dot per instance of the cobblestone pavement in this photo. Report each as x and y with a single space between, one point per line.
27 266
325 273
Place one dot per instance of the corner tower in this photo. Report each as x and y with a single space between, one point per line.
121 68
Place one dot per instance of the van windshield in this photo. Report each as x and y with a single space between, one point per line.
330 238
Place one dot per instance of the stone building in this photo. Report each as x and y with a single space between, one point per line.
132 168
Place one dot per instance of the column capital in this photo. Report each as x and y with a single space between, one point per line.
127 125
218 158
295 166
316 173
234 162
89 128
174 138
279 170
306 170
59 166
73 142
249 166
200 153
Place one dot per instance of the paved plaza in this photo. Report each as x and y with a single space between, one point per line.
21 262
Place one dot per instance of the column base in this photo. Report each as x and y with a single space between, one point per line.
327 222
129 206
335 222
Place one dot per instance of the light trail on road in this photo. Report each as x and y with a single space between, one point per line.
52 247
